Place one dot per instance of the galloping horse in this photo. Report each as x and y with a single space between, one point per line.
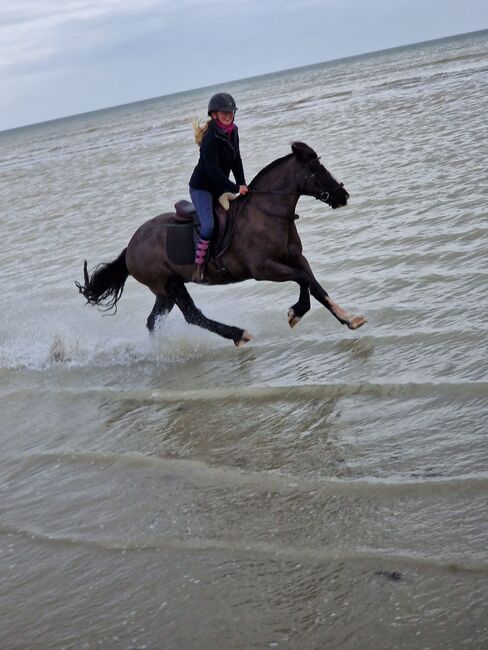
265 245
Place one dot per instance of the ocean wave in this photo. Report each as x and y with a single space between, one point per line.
264 480
263 393
408 561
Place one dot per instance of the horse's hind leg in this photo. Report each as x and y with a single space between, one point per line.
162 306
194 316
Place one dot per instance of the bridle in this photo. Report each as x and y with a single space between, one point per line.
323 196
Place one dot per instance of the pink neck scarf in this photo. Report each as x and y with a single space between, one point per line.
225 128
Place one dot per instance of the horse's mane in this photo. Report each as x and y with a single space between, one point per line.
299 149
268 168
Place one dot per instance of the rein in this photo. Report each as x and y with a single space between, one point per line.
267 212
323 196
271 192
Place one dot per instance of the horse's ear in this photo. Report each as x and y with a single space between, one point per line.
303 152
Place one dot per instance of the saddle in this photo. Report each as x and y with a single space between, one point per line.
184 228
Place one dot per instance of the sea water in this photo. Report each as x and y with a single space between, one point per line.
319 488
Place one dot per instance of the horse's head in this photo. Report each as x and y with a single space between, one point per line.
314 179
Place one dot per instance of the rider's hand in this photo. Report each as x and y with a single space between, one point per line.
243 189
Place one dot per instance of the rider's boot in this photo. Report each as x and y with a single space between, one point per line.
200 257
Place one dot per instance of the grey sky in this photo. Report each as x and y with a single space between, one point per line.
64 57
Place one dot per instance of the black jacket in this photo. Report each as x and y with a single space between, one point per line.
219 155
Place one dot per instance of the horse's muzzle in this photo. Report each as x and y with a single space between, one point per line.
341 196
337 199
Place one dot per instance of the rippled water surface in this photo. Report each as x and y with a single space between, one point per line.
317 488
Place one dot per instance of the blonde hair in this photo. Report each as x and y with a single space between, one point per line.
199 129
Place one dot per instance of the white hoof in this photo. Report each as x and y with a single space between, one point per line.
293 319
356 322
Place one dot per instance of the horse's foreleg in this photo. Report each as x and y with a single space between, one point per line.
194 316
278 272
162 306
300 308
353 322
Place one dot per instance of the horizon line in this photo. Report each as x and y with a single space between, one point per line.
232 81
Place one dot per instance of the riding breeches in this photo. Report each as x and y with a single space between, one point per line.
203 202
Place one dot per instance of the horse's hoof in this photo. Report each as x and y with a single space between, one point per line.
246 337
57 351
357 322
293 319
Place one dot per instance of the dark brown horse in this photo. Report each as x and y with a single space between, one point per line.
265 245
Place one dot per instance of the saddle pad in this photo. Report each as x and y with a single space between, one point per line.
180 243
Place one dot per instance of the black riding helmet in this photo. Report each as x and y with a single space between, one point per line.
222 102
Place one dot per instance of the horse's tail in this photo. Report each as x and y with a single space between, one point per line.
106 284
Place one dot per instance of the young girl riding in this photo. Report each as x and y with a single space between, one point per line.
219 155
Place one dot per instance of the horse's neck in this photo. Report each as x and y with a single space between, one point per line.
279 185
280 178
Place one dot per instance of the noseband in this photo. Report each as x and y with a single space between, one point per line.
322 196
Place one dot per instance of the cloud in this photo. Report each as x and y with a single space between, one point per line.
60 57
33 33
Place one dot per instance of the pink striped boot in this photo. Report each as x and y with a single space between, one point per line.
200 257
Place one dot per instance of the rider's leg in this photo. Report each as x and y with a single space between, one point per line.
203 202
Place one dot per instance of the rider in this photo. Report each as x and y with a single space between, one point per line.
218 140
